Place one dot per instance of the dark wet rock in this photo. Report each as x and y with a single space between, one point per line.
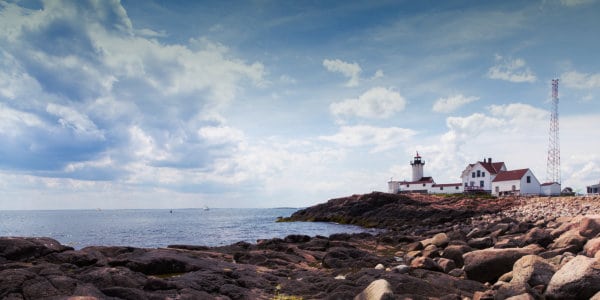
455 253
16 248
538 236
481 243
339 257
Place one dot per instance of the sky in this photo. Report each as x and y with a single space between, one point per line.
178 104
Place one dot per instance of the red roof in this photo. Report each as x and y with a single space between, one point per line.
549 183
493 168
510 175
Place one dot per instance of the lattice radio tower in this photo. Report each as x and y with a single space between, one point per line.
553 163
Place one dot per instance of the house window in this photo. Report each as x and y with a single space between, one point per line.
478 173
473 175
407 185
528 179
441 188
423 184
514 188
482 174
466 185
456 187
481 183
497 189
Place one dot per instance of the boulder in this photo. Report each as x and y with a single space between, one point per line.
532 270
455 253
378 290
569 238
589 226
440 240
481 243
425 263
591 247
577 279
538 236
25 248
489 264
446 264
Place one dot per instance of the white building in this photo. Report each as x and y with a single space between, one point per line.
516 182
593 189
550 189
422 184
478 177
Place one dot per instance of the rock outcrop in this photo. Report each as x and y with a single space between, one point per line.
432 248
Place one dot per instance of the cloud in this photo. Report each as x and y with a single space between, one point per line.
89 96
378 102
513 70
452 103
70 118
576 80
377 138
576 2
350 70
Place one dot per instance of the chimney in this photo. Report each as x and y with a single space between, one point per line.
490 160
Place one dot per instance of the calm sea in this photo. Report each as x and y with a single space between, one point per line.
158 228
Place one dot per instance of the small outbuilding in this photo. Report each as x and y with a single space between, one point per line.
550 189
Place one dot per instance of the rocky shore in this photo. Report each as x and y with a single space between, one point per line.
433 247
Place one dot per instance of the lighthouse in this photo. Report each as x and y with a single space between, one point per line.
417 167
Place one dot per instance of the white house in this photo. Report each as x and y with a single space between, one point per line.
478 177
593 189
515 182
422 184
550 189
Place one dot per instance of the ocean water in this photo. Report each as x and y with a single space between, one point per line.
151 228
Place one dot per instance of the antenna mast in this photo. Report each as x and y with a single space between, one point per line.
553 163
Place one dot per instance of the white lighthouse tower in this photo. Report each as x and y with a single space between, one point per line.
417 167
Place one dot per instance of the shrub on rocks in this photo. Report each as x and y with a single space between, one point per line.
577 279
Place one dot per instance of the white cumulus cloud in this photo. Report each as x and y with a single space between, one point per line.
577 80
379 138
513 70
450 104
350 70
378 102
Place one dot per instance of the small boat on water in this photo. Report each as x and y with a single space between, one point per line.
205 208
